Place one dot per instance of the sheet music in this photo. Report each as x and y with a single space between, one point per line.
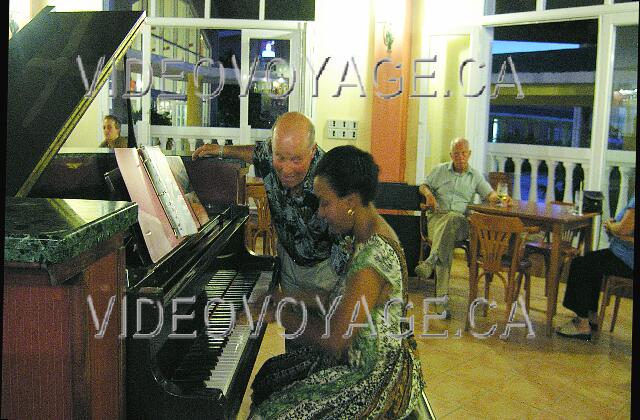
156 229
180 174
174 203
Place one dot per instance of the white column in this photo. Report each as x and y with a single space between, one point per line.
144 132
517 164
623 197
606 203
568 181
603 241
501 162
533 182
551 180
491 163
192 144
163 142
585 170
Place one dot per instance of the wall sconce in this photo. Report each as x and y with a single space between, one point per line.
387 36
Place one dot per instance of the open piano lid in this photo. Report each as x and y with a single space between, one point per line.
46 93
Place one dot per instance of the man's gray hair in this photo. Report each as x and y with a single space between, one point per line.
456 141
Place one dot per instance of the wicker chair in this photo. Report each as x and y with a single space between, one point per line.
260 225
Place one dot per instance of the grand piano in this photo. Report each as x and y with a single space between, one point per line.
166 350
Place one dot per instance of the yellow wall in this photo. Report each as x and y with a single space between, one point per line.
88 131
343 29
418 44
446 116
440 28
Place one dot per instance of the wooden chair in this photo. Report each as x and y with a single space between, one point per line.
497 246
614 285
567 248
261 225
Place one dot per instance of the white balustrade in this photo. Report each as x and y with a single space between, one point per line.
502 161
626 171
192 144
533 181
551 180
568 181
492 164
186 138
552 156
585 171
622 161
625 162
517 163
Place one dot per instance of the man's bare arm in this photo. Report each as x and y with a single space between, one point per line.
429 197
244 152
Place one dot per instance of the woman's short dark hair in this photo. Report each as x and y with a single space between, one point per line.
348 170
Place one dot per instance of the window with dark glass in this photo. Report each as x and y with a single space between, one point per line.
555 64
561 4
498 7
267 97
289 9
236 9
223 110
623 118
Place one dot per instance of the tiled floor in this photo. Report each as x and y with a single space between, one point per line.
517 378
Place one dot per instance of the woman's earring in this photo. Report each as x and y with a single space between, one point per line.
350 212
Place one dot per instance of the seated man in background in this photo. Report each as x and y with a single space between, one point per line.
448 189
111 131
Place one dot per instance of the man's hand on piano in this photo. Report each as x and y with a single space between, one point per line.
206 150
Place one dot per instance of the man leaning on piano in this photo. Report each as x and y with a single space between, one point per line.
310 256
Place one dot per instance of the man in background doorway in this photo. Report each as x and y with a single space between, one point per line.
111 132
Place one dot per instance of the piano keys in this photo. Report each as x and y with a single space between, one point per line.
204 376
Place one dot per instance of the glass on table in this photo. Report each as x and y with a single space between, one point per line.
503 192
577 202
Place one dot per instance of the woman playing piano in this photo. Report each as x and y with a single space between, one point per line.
367 367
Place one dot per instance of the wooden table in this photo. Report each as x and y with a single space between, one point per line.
555 219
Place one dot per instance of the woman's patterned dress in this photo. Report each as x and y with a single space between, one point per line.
382 377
